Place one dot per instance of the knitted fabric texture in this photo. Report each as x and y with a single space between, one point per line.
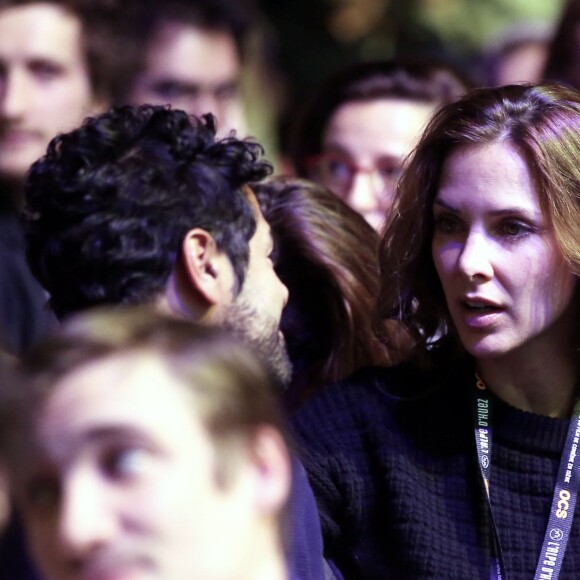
390 454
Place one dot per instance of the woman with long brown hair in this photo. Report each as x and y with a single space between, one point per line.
327 258
461 463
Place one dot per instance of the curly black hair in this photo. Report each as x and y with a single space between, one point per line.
109 205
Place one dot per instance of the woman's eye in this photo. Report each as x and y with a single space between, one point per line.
447 224
514 229
339 169
390 172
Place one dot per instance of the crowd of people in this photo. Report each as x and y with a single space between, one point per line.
359 361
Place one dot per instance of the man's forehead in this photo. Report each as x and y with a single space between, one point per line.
51 31
41 17
118 397
176 44
110 386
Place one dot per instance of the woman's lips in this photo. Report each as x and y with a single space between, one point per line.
480 314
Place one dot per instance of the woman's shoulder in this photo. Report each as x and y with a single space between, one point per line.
405 383
367 390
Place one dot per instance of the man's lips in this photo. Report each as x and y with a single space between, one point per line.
114 567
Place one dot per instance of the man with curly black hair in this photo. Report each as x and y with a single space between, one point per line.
145 206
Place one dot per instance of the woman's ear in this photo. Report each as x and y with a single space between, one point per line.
206 268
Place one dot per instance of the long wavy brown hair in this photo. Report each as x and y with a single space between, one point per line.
543 123
327 259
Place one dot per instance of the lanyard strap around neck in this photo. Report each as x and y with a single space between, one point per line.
565 490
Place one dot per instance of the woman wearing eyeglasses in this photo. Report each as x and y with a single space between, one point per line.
463 462
355 135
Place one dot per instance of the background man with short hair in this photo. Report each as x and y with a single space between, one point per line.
146 206
56 67
58 63
190 55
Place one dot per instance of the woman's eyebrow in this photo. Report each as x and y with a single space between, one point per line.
445 204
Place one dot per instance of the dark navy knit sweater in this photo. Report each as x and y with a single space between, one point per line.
397 480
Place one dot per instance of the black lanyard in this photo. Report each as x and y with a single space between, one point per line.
565 490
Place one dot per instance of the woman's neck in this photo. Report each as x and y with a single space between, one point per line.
545 385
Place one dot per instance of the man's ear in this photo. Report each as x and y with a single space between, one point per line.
272 469
205 266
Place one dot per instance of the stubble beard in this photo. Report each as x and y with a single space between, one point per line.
261 332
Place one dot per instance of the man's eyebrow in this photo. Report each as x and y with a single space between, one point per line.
192 87
164 83
64 451
336 148
112 432
43 60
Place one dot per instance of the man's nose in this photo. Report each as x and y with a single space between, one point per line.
204 102
285 292
14 94
86 520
